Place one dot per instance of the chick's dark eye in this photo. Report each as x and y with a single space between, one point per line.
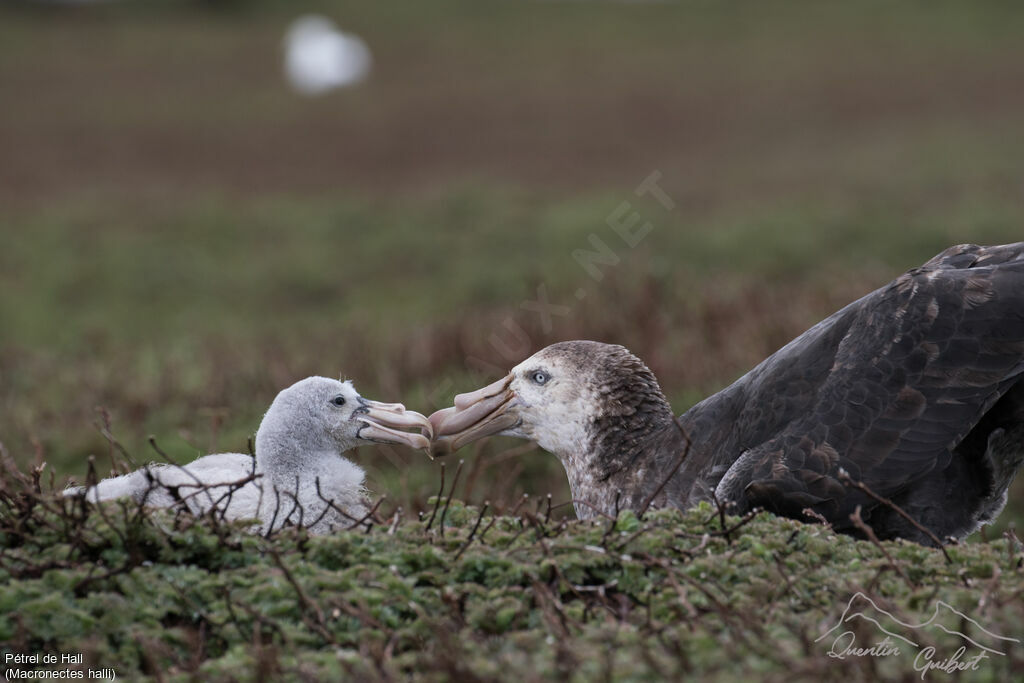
540 377
338 400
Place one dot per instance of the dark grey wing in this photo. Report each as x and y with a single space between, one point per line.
917 365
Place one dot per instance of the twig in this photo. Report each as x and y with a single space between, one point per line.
672 471
226 593
817 516
105 431
332 506
691 611
720 506
473 532
514 510
859 522
11 468
860 486
1012 544
368 515
494 518
296 505
202 487
437 500
261 619
319 625
608 532
395 520
444 513
232 488
632 537
726 532
80 586
273 518
159 451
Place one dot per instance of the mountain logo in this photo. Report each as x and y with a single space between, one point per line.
901 637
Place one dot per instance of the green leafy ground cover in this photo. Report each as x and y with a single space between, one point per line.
462 594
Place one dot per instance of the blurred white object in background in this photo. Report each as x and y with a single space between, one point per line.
318 57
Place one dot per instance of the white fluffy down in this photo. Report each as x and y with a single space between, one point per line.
299 443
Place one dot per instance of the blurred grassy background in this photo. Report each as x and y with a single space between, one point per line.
182 235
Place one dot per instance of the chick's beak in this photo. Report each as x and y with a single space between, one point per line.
384 422
475 415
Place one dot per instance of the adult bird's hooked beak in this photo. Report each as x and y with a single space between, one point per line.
384 422
475 415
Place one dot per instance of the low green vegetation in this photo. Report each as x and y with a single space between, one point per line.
462 594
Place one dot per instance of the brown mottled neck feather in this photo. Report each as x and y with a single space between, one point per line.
633 439
633 412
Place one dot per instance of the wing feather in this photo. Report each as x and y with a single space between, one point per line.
896 380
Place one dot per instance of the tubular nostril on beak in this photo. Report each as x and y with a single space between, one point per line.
463 401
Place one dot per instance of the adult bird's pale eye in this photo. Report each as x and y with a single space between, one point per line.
540 377
338 400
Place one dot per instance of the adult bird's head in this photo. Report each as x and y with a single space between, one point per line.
318 415
591 404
